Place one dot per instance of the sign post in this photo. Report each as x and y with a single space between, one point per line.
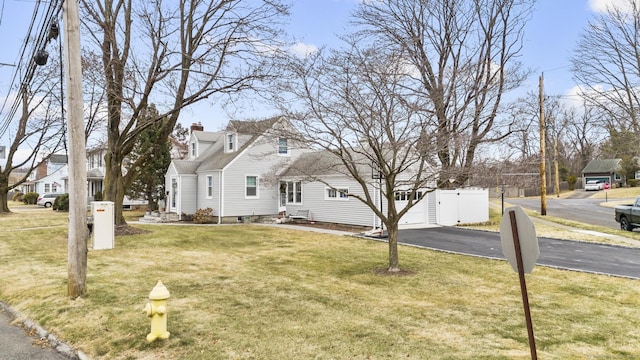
520 247
606 188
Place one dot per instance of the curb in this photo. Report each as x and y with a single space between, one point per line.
55 343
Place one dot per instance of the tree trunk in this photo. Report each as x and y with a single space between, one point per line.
113 188
394 264
4 197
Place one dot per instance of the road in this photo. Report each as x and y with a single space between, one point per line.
585 210
563 254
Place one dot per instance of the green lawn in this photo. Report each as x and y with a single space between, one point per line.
256 292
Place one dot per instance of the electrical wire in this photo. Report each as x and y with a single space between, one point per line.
27 64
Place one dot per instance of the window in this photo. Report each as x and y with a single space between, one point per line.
405 195
231 142
193 149
251 185
209 186
294 192
337 194
47 188
283 147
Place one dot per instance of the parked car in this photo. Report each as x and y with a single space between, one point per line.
47 200
594 185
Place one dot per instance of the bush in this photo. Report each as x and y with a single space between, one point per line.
61 203
18 197
30 198
97 196
632 182
203 216
572 180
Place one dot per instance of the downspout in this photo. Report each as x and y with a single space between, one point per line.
220 195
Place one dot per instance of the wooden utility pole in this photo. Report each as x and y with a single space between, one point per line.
543 170
78 232
555 165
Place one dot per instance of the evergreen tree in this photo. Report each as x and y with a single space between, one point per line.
152 153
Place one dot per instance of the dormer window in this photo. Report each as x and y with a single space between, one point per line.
193 149
231 142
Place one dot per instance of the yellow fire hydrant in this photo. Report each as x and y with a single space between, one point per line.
157 310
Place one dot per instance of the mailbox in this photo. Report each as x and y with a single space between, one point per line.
103 232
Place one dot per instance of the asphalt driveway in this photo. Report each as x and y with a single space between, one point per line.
563 254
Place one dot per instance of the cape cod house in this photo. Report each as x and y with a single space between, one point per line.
231 171
247 171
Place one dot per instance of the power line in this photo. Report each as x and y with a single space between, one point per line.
28 64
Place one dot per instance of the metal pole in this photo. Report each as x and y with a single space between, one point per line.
523 285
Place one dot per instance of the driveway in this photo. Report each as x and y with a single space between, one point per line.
562 254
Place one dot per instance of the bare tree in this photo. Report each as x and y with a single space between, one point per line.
607 63
355 106
174 54
583 134
39 130
465 56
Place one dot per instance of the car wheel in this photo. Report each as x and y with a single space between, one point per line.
625 225
47 204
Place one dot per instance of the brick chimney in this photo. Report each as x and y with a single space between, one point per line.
197 127
41 170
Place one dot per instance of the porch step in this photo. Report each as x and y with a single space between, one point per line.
156 217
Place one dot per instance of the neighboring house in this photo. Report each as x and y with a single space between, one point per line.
232 171
607 170
51 175
243 172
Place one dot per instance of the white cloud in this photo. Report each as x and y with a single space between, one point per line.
601 6
303 50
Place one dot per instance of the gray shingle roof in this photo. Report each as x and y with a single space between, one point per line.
602 166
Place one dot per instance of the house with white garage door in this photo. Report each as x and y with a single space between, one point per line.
247 171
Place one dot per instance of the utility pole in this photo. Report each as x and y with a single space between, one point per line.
543 170
78 232
555 164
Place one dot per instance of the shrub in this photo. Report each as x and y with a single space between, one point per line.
61 203
203 216
18 197
97 196
572 179
30 198
632 182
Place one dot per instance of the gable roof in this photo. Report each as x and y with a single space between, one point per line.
58 159
602 166
215 158
185 166
252 127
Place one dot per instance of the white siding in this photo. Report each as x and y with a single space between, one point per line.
203 201
351 211
187 195
258 160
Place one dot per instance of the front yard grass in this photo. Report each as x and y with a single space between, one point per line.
258 292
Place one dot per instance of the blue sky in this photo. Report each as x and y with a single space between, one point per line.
549 40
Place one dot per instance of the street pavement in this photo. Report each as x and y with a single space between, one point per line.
588 257
16 344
